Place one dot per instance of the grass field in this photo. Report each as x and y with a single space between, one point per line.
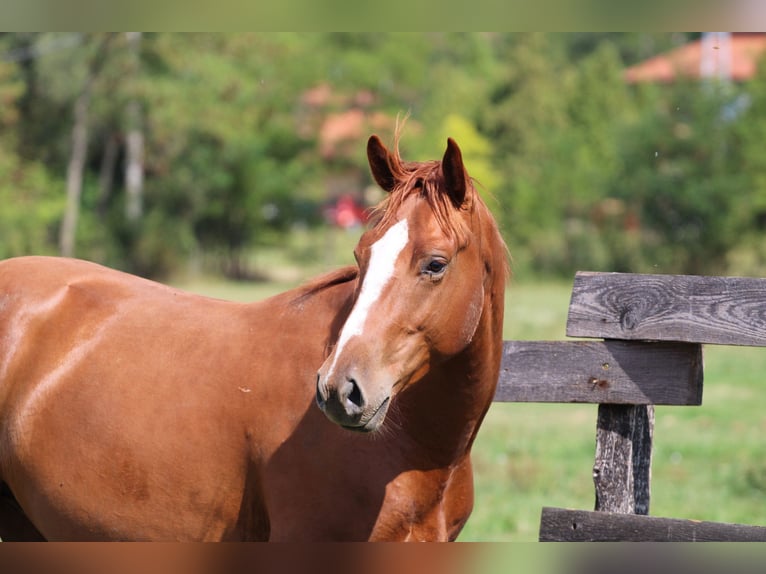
709 461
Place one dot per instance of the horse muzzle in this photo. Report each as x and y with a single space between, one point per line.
344 403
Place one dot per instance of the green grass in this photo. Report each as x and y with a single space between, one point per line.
709 461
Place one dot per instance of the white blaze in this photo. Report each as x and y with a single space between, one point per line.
383 255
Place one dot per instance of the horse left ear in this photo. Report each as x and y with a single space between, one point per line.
454 173
380 163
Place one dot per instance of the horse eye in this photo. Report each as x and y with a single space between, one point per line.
435 267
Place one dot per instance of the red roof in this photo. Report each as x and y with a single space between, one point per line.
732 56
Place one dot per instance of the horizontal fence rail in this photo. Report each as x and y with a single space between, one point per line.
604 372
690 308
562 525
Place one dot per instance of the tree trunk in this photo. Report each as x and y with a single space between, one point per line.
75 171
106 174
78 155
134 160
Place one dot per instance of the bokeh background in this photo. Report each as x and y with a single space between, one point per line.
165 153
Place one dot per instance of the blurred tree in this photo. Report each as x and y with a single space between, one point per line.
529 123
599 108
31 199
632 47
79 142
134 139
585 171
747 114
680 181
220 120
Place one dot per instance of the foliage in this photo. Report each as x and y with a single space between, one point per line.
582 170
680 190
31 200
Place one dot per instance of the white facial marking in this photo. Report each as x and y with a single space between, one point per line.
383 255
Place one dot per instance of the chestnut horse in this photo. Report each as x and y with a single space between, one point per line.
134 411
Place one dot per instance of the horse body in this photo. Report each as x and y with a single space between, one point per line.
130 410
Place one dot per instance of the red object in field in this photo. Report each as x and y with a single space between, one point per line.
346 213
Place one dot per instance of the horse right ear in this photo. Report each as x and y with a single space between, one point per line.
380 165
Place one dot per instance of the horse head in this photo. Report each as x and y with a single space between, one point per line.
424 270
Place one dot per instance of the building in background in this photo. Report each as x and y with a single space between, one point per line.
723 55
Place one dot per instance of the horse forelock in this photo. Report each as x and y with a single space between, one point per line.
424 179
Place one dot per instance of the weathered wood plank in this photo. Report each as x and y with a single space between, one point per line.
622 470
605 372
562 525
717 310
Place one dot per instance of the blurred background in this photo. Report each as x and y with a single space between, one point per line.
234 165
242 155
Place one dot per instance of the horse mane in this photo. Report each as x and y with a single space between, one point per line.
325 281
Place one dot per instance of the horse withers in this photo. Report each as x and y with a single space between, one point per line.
134 411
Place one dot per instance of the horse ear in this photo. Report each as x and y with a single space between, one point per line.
454 173
378 156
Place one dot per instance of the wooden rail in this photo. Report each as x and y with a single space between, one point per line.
694 309
560 525
653 328
614 372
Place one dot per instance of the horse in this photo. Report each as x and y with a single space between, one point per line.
342 410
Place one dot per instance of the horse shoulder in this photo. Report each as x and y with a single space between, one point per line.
153 378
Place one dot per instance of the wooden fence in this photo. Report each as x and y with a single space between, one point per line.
652 329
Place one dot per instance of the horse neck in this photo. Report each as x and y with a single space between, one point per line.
307 321
444 410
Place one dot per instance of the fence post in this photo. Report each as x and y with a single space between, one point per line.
622 469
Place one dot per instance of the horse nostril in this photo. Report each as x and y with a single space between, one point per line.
351 396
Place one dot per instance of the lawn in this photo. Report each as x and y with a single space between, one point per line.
709 462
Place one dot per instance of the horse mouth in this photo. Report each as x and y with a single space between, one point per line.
374 422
